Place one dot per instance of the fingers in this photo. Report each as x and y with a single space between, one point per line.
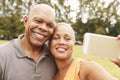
116 61
118 37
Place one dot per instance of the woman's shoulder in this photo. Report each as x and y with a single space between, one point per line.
90 65
92 70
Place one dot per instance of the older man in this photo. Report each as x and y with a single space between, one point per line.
28 57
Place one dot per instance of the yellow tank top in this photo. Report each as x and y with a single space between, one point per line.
73 70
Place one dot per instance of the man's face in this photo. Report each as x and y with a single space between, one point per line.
39 26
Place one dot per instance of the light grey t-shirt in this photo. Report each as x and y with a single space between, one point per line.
15 65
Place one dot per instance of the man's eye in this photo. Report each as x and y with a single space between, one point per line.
38 21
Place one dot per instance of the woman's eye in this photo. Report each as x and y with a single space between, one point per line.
55 38
68 39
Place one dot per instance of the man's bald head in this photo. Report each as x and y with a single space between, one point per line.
44 8
39 24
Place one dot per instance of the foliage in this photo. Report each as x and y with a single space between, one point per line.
10 25
91 16
99 19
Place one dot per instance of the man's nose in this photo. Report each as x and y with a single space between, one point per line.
43 26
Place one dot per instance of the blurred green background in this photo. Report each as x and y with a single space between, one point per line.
95 16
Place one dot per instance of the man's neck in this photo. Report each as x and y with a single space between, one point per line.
30 50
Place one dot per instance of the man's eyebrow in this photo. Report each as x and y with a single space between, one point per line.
37 18
52 23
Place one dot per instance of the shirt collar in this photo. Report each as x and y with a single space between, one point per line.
20 51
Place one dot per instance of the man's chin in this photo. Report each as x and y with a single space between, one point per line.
38 43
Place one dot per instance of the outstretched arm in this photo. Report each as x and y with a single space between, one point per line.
92 71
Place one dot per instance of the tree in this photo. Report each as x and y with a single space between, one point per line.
91 16
10 26
97 18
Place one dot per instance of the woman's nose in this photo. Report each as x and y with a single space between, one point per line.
61 41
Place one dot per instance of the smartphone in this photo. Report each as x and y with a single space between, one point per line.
101 45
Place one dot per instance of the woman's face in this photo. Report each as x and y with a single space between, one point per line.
62 43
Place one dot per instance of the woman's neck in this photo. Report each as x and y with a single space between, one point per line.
63 65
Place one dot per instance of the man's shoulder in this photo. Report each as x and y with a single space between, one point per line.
7 46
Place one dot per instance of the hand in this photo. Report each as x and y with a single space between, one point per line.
118 37
116 61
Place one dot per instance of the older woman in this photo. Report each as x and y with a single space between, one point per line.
69 68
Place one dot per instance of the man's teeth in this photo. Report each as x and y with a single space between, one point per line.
38 35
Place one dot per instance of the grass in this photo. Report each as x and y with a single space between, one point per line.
3 41
109 66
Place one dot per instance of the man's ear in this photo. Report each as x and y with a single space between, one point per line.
25 20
